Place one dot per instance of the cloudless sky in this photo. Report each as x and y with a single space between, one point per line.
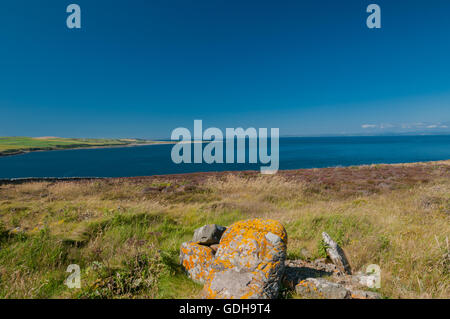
140 68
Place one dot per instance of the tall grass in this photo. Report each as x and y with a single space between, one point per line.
125 234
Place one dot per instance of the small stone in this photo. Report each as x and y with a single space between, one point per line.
208 234
319 288
336 254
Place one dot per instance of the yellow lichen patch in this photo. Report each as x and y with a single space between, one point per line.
309 289
260 227
196 259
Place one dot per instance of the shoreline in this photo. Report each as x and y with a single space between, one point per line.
21 180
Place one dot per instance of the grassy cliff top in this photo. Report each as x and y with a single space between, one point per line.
17 145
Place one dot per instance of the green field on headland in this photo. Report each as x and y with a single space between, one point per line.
125 233
18 145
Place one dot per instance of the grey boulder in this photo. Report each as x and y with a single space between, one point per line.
208 234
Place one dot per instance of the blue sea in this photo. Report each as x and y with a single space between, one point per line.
295 153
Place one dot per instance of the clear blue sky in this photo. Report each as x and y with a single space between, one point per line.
141 68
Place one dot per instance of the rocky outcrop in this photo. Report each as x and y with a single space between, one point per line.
319 279
336 254
249 262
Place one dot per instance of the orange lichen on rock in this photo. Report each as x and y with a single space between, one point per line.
196 260
249 262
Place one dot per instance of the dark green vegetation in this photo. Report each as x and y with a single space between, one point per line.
125 233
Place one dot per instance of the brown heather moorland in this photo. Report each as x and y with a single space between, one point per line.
125 233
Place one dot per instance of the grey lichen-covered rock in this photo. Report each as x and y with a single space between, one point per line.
249 262
208 234
336 254
321 288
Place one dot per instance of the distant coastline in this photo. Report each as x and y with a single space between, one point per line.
11 146
82 147
21 152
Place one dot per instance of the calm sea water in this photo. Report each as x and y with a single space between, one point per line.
294 153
